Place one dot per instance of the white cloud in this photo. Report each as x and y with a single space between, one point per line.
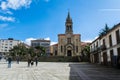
52 43
4 18
96 37
3 5
47 38
15 4
87 41
3 25
28 40
7 6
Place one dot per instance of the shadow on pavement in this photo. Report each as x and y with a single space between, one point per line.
73 72
87 71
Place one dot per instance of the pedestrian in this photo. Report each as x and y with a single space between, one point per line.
29 60
9 61
32 62
18 59
36 60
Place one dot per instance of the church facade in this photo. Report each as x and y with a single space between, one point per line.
69 44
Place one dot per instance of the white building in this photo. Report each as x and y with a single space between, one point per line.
43 43
106 49
7 44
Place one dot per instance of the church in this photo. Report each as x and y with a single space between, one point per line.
69 44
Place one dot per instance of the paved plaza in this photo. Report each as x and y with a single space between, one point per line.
57 71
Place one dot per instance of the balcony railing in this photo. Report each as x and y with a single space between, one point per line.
95 50
98 49
103 47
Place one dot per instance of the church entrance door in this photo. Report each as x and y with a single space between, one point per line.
69 53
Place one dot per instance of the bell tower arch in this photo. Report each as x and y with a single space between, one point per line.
68 24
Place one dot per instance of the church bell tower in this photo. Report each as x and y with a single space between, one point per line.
68 24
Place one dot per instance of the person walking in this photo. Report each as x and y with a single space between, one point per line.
9 61
18 59
32 62
36 60
29 60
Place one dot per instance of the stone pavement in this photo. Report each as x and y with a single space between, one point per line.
57 71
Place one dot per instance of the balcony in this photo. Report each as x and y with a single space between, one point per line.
103 47
96 49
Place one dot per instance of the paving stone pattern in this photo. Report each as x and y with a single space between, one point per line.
57 71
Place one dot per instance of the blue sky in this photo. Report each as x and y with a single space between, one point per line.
30 19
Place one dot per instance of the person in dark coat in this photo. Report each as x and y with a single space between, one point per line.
9 61
36 60
29 60
18 59
32 62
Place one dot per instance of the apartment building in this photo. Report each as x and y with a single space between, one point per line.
106 49
43 43
7 44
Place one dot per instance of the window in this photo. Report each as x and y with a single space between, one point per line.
76 40
111 51
69 40
118 50
111 56
70 28
104 42
10 44
6 47
96 44
103 46
110 40
117 36
32 44
77 49
55 52
11 41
